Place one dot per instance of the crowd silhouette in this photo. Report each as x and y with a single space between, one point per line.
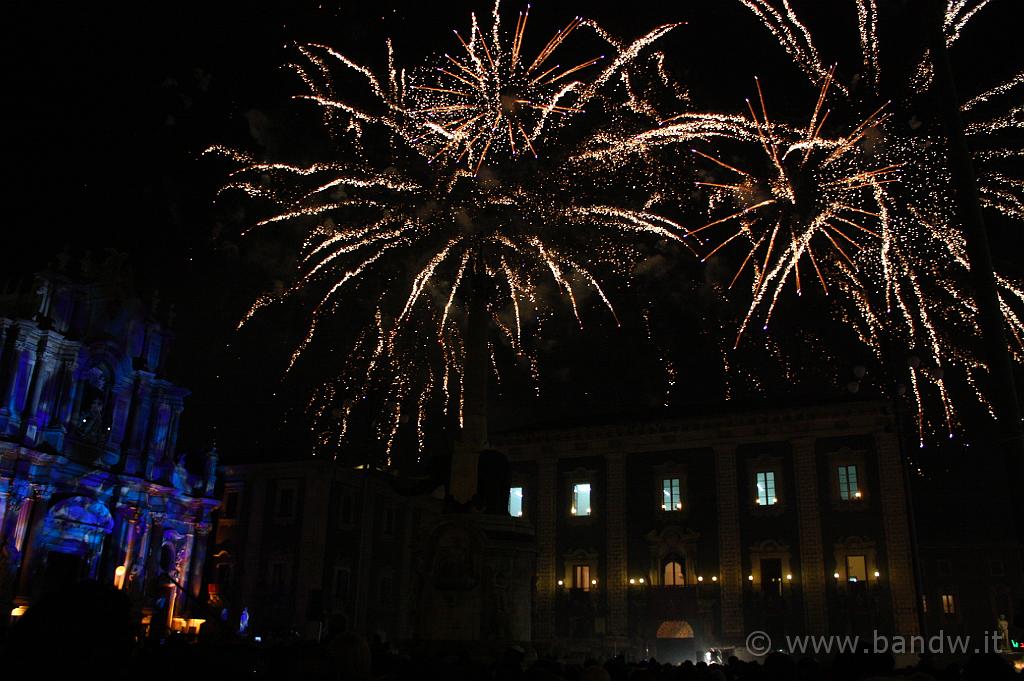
86 631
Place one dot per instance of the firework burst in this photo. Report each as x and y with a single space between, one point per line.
427 208
906 286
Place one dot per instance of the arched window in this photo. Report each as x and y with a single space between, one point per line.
673 574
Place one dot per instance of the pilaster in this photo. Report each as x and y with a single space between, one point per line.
897 535
730 557
812 557
617 560
547 493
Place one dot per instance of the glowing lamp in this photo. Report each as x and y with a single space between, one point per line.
750 578
593 582
836 575
699 578
789 578
632 581
561 583
641 580
714 578
877 574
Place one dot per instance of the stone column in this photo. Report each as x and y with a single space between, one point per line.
30 535
730 552
44 366
547 495
151 566
367 531
618 567
136 578
8 369
812 557
25 364
202 539
250 552
313 539
897 535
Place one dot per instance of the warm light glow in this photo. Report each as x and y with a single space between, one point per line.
641 580
714 578
19 611
561 582
593 582
632 581
750 578
119 573
699 578
836 575
789 578
877 574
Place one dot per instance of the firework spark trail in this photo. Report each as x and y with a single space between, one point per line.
443 211
905 230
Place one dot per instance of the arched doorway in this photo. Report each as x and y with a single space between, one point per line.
676 642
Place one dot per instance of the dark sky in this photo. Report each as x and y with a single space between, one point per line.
108 106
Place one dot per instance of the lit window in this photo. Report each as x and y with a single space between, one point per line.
581 577
856 569
848 489
766 494
674 575
948 604
515 502
671 499
581 499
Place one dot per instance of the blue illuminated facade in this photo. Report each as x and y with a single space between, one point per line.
92 485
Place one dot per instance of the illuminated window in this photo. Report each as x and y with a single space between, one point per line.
856 569
948 604
515 502
766 494
671 498
581 577
674 575
581 499
848 489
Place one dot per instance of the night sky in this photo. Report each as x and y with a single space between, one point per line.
109 106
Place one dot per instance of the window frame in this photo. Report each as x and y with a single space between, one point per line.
522 500
280 487
573 498
675 489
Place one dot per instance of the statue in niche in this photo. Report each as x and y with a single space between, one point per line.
179 477
43 295
91 428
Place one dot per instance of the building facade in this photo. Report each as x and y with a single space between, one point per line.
662 538
673 537
305 545
91 483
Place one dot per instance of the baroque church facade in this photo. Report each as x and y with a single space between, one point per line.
92 486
